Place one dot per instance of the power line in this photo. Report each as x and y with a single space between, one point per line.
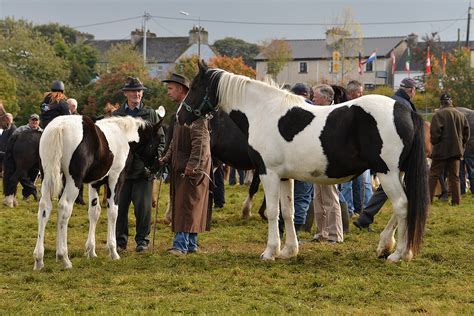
108 22
304 23
271 23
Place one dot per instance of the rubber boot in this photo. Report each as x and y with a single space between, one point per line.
345 218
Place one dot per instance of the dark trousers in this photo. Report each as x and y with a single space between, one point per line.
138 192
374 206
218 190
232 176
467 169
452 168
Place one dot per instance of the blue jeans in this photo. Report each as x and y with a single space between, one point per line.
303 195
357 190
186 242
232 176
467 163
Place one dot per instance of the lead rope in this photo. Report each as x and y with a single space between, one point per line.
208 118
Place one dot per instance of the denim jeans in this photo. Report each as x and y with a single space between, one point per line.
186 242
467 163
232 176
354 194
303 195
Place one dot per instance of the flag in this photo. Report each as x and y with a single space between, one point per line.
428 62
443 61
371 58
407 60
393 62
360 64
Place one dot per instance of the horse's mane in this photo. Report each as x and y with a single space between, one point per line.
231 89
128 124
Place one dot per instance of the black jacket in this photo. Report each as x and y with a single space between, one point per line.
402 97
50 110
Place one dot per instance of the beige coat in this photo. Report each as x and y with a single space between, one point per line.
190 148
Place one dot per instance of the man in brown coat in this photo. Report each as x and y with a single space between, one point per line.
449 134
189 155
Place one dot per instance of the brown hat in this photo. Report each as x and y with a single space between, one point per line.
133 84
182 80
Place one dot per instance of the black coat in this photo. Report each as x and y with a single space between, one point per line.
51 110
402 97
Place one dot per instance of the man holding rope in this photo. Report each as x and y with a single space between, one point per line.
189 156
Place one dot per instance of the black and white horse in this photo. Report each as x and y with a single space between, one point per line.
291 139
75 149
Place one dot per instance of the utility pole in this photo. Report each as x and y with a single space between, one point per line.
469 12
146 17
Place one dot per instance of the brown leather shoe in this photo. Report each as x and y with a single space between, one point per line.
176 252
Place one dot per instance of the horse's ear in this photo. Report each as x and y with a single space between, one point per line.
202 66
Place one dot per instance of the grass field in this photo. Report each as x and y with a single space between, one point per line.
228 276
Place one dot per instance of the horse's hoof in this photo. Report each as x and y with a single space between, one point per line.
245 217
91 254
266 258
288 252
114 256
38 265
394 257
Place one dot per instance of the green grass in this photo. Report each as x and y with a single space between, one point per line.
229 276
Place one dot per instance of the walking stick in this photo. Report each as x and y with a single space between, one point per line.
156 211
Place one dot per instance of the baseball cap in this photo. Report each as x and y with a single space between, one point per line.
34 117
408 83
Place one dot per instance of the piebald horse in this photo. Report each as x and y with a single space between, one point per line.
73 148
290 139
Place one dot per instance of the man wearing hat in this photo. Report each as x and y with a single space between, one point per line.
189 156
138 184
449 134
54 103
404 96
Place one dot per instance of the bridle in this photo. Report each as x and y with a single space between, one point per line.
205 106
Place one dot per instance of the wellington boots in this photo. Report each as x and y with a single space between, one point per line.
345 218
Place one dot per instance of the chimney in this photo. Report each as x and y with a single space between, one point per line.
137 35
194 35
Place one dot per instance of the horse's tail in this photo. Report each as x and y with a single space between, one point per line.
51 153
416 182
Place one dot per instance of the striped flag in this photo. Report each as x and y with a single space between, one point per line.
428 62
407 60
393 62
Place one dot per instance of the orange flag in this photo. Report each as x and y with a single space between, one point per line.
428 62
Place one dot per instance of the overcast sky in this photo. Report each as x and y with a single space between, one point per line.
252 20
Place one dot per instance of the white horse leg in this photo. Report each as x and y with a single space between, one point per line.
387 238
392 185
112 213
288 212
65 205
271 186
94 213
44 210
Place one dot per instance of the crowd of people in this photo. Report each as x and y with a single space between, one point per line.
190 166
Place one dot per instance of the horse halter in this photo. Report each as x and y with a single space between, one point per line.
205 106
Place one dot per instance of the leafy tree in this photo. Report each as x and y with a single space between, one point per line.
32 61
278 54
187 66
233 47
53 31
234 65
459 78
125 54
8 91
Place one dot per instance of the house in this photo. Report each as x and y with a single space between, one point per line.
313 60
162 53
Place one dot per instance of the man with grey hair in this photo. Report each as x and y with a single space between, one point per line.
327 210
72 104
